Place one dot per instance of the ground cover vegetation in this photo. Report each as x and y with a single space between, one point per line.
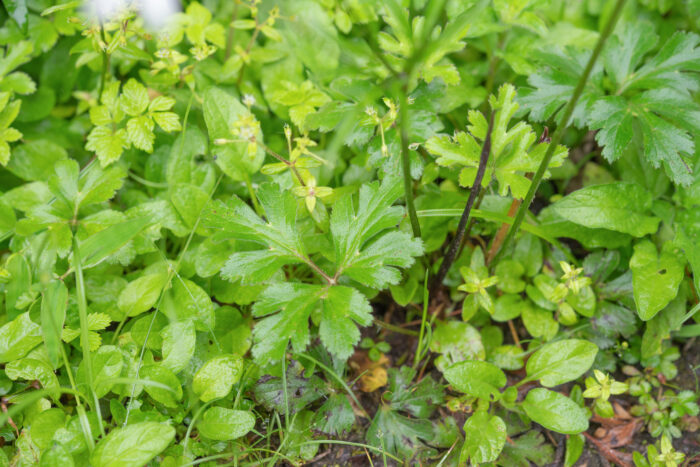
350 232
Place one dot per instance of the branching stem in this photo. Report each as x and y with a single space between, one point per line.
559 133
473 194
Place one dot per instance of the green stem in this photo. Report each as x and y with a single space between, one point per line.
406 165
105 65
251 193
419 348
84 331
556 138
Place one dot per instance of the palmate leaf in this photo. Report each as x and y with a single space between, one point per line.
280 237
362 251
647 103
514 152
340 308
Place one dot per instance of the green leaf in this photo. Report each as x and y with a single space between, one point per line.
139 130
21 279
107 143
514 151
341 308
134 98
475 378
18 11
179 339
98 247
646 104
527 449
280 234
18 337
132 446
574 449
162 375
167 121
217 376
398 434
35 160
107 364
141 294
419 399
372 263
30 369
186 301
57 455
53 315
555 411
561 361
485 436
655 278
622 207
221 424
221 111
456 341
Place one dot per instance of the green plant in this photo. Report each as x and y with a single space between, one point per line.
199 223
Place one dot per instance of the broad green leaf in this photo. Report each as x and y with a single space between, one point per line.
485 436
162 375
132 446
18 337
217 376
655 277
221 424
561 361
313 30
141 294
20 281
107 364
34 160
186 301
30 369
456 341
555 411
475 378
179 339
221 111
53 315
622 207
56 455
44 426
94 185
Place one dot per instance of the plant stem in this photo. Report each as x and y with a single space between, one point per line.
473 193
406 165
282 160
251 193
231 31
105 64
556 138
84 331
419 348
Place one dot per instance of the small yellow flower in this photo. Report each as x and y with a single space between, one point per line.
310 192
